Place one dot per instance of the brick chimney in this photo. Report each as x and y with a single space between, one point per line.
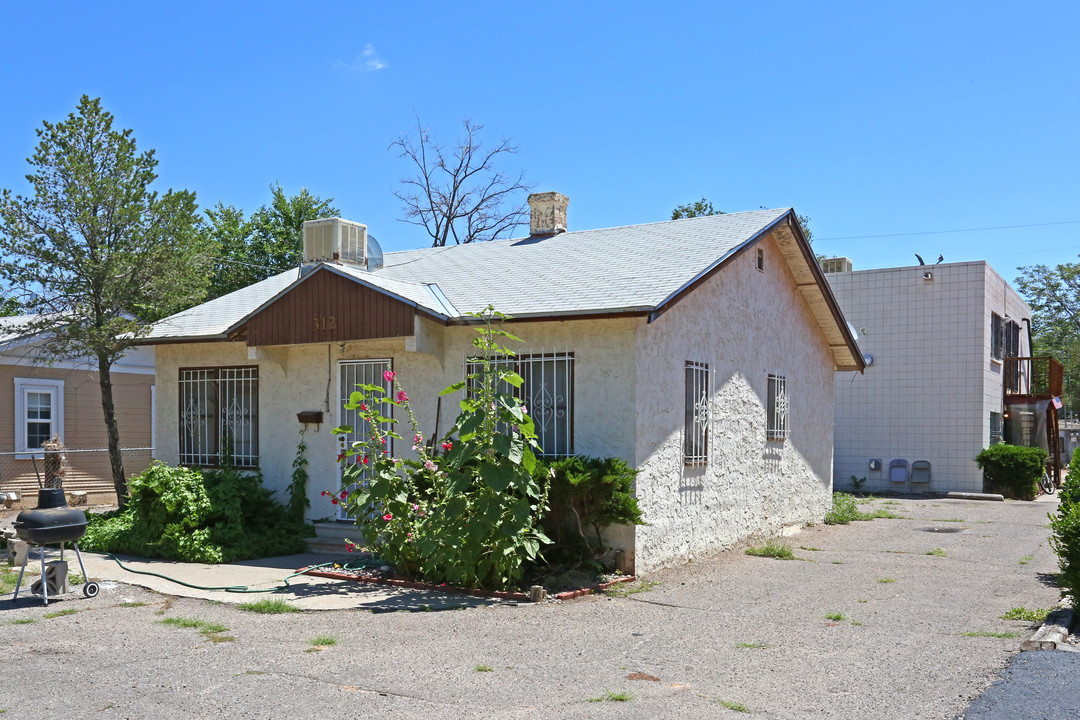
547 213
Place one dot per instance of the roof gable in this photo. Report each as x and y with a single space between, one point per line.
325 306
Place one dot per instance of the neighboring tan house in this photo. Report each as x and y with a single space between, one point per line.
950 346
64 398
702 351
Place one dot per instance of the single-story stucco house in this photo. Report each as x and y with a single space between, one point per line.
702 351
46 398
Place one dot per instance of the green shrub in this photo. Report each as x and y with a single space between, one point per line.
586 495
213 516
1012 470
1065 526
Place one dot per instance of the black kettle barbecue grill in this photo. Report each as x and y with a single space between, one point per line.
52 522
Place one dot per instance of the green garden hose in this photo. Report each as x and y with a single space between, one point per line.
351 565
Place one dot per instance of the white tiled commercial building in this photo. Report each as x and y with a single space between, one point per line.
937 334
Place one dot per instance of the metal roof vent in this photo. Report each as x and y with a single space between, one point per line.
336 240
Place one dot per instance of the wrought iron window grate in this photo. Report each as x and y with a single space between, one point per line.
696 425
219 416
547 393
777 408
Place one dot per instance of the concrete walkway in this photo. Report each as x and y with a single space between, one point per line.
303 592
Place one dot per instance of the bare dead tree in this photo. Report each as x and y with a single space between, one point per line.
461 196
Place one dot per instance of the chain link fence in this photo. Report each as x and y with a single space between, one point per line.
81 470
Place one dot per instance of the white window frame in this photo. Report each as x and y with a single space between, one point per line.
777 408
23 386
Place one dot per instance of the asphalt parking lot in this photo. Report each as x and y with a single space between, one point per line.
893 618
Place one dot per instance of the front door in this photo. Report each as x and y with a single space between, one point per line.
350 374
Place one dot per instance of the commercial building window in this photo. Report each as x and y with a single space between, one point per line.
547 393
997 336
696 425
219 416
39 414
776 408
1012 339
995 428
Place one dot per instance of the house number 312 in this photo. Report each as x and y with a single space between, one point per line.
325 322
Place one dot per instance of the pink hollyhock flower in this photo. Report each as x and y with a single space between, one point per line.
428 465
349 546
388 517
524 409
365 459
447 445
416 447
415 507
382 440
344 494
325 493
333 500
341 457
363 406
402 397
388 375
416 438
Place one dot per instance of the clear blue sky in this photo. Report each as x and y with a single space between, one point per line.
872 120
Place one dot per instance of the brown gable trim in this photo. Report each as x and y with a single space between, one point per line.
327 307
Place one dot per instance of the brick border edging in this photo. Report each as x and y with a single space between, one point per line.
414 585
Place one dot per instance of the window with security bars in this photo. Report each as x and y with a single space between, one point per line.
696 425
547 393
219 416
777 409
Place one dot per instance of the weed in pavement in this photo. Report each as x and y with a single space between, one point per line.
991 634
484 668
610 696
1026 559
752 646
269 606
736 706
884 581
324 640
1022 613
779 551
624 589
60 613
936 552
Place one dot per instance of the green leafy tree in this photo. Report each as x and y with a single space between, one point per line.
703 207
1054 297
9 306
267 243
95 251
699 208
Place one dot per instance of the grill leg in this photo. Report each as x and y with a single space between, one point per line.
22 569
44 585
78 554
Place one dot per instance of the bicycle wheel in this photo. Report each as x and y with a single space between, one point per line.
1047 484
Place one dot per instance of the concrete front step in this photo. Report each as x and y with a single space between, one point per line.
330 537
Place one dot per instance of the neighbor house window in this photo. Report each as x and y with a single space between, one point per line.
39 413
547 393
761 260
776 408
696 410
997 336
219 416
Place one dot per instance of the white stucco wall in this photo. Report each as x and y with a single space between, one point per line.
933 384
295 378
745 324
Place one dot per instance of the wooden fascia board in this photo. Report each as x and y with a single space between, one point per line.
807 260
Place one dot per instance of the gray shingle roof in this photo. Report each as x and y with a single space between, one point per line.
631 268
